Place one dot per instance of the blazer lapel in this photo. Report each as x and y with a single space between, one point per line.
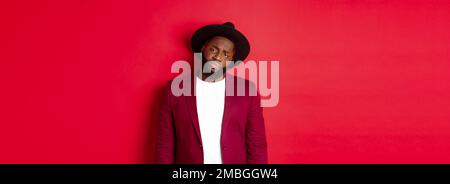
229 87
191 105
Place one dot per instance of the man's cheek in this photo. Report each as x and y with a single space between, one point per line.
208 58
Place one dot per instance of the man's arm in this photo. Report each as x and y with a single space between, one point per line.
165 146
256 134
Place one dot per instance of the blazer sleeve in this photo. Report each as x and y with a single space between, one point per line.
255 133
165 145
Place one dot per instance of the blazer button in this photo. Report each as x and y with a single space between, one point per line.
201 145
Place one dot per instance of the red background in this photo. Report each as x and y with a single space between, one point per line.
361 81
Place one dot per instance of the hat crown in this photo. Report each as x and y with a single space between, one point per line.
228 24
227 29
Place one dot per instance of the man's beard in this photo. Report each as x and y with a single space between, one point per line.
205 70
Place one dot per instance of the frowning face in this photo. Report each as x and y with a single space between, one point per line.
218 49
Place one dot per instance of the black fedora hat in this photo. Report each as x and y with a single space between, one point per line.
241 44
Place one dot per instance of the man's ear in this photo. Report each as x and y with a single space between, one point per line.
203 47
234 54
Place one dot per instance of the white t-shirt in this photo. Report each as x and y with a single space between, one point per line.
210 98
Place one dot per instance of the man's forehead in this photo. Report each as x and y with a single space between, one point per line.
221 41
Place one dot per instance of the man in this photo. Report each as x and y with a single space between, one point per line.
213 126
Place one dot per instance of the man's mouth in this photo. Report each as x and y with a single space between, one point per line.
213 65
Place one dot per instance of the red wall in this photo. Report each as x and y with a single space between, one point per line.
361 81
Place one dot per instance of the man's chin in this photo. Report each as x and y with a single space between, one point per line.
213 69
216 73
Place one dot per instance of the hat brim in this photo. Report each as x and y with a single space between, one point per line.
241 44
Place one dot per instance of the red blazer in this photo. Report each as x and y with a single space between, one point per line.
243 138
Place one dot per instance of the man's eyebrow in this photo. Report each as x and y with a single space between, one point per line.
218 48
214 45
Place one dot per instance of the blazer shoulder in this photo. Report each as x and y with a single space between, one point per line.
179 86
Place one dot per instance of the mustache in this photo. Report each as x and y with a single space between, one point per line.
210 64
204 60
213 70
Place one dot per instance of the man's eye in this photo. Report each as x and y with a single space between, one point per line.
212 50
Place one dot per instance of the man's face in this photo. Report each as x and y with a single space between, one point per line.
219 49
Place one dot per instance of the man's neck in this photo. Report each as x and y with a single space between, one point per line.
208 78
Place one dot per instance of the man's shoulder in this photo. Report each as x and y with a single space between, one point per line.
177 86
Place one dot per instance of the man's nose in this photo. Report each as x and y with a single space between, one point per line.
217 57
